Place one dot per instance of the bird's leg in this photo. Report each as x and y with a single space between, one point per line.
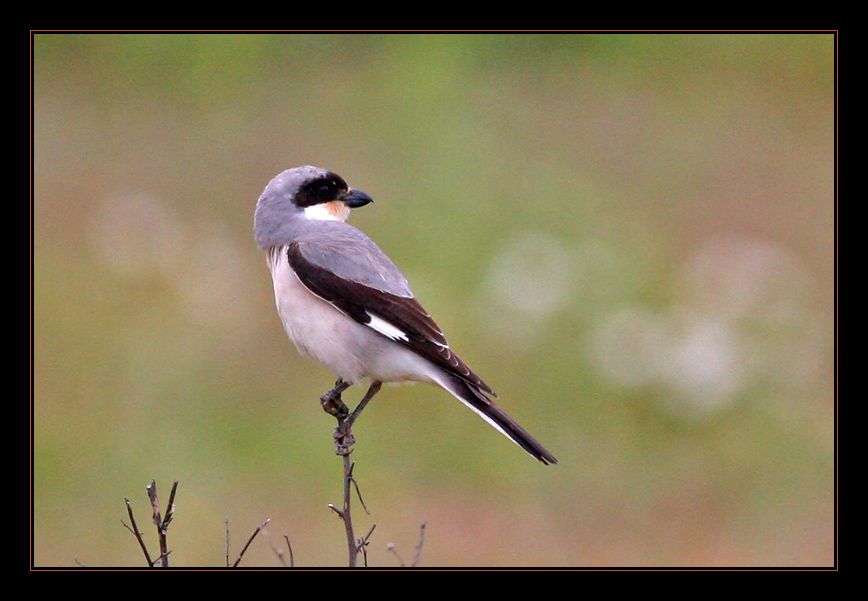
332 403
373 389
344 438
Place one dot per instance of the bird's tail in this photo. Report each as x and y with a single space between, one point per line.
473 397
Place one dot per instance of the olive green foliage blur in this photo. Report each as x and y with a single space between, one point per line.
628 236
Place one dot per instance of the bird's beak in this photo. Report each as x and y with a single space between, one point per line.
356 198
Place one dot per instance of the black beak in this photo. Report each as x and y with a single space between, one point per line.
356 198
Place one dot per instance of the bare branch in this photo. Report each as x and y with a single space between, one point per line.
170 508
289 546
155 503
418 555
135 530
163 557
364 542
277 550
344 440
391 549
250 540
345 514
227 542
158 521
75 559
358 492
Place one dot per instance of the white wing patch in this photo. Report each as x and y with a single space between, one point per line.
385 328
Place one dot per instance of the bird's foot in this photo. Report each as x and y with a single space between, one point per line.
333 404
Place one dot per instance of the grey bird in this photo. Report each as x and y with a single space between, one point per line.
343 302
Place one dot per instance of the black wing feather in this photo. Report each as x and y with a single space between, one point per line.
358 301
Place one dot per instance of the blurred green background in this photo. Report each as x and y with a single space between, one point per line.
630 237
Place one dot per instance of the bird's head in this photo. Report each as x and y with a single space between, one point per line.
303 193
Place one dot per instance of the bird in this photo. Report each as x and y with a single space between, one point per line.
344 303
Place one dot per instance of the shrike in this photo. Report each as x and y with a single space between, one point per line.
345 304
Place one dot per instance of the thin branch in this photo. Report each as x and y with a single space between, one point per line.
75 559
158 521
125 525
170 508
358 492
161 557
418 555
277 550
135 530
391 549
364 542
227 542
250 540
346 516
344 440
289 546
155 503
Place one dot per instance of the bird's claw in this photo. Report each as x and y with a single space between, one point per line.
334 405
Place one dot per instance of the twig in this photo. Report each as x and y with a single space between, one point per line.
250 540
391 549
170 508
75 559
158 521
279 552
358 492
418 555
161 557
135 530
346 516
364 542
289 546
344 440
227 542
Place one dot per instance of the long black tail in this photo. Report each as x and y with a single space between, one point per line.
474 398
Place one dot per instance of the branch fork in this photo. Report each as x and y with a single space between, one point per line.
344 440
162 524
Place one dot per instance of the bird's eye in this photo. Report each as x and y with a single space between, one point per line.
326 191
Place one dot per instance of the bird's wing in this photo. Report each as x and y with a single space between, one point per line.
378 301
349 254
